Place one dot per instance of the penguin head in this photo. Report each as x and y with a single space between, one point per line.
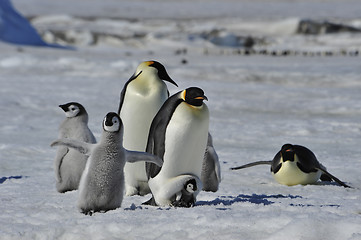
194 96
72 109
191 186
112 122
288 152
155 68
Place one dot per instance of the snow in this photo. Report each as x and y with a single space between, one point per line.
257 103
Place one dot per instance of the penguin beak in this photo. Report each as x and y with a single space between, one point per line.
165 77
202 98
65 109
108 122
162 73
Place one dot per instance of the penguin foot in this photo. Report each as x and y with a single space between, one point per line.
185 201
87 212
182 203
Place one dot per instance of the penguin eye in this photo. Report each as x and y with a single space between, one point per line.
73 108
72 111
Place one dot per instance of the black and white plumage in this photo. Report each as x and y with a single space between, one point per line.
178 135
69 163
295 164
141 98
102 183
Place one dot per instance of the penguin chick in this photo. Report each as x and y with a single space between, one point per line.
102 183
141 98
295 164
178 134
69 163
211 170
185 197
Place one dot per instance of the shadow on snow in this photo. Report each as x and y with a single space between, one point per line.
254 198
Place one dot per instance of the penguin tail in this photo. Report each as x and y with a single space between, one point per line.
252 164
326 176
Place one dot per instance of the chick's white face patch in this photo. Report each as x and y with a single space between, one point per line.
73 111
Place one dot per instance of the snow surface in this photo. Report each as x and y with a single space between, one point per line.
257 103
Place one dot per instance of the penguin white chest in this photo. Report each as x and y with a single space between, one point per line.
290 175
141 104
185 140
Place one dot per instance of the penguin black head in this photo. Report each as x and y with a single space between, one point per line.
72 109
194 96
288 152
112 122
190 186
160 71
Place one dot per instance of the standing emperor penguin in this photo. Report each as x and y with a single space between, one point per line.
178 135
141 98
69 164
102 183
295 164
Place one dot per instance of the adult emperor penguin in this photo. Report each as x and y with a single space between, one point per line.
211 170
295 164
178 135
69 163
102 183
141 98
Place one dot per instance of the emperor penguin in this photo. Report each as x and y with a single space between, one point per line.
141 98
211 170
102 183
178 134
295 164
69 163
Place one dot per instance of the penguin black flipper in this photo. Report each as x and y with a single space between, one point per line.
252 164
156 137
122 94
332 177
150 202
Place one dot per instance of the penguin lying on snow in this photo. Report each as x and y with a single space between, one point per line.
295 164
102 183
178 134
69 163
141 98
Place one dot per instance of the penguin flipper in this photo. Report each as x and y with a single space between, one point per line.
134 156
150 202
325 172
82 147
252 164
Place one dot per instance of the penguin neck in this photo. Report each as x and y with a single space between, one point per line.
112 138
148 82
80 118
70 125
